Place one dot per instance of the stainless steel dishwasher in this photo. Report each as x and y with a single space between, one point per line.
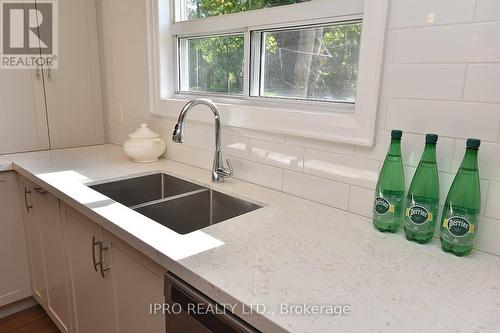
191 311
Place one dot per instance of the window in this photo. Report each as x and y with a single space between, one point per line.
308 68
212 64
309 63
205 8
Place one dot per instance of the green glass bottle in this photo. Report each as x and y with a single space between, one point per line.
422 200
389 192
462 206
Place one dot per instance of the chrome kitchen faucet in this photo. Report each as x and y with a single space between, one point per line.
219 172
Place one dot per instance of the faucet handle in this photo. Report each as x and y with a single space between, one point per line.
225 172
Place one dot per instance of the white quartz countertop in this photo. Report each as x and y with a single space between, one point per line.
291 252
5 164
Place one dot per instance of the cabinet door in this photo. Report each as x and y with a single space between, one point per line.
88 289
135 283
34 240
23 122
73 91
15 285
49 219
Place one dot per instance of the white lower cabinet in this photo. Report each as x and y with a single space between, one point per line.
34 242
46 253
49 219
88 289
15 284
134 282
112 284
87 279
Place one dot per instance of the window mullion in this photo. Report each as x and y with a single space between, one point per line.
247 78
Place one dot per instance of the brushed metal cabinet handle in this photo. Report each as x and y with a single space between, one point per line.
28 206
101 263
40 190
94 244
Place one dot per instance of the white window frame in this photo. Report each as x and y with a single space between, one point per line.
340 122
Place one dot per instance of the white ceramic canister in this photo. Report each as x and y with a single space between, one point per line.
144 145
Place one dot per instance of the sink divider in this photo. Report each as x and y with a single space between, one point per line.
172 197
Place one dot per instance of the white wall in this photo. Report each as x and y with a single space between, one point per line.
442 75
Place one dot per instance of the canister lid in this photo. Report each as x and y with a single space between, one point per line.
143 132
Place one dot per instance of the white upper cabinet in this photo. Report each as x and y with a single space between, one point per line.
23 121
73 90
56 107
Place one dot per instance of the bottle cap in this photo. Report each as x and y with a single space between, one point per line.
473 143
396 134
431 138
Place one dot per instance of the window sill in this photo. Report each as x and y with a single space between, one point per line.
332 122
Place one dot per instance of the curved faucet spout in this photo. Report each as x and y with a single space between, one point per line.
219 172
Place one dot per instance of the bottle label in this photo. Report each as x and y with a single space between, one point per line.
419 215
383 206
458 226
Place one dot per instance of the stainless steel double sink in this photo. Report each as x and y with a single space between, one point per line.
175 203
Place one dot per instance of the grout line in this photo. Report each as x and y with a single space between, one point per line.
473 62
430 26
349 198
393 51
465 82
441 100
474 12
498 138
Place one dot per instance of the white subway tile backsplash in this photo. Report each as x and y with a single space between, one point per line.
258 173
451 119
317 189
390 42
430 81
412 147
235 146
478 42
135 110
492 207
197 137
483 83
487 10
361 201
265 136
131 92
203 159
411 13
277 154
347 169
334 147
179 152
379 149
487 235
